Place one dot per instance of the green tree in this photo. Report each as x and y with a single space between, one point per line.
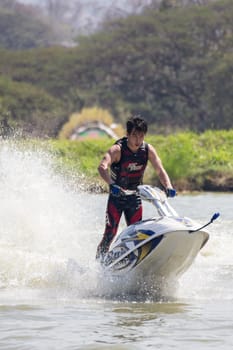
21 27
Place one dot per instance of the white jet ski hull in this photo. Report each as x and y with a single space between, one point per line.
173 256
151 253
161 248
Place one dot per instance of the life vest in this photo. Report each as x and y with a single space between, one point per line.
128 172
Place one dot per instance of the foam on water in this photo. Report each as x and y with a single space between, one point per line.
44 225
211 276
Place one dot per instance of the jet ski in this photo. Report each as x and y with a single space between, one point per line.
160 247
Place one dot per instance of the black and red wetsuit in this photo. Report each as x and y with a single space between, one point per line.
128 174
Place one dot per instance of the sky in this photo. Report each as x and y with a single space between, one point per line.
102 2
95 11
30 1
42 1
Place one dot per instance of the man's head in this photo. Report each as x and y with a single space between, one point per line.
136 123
136 130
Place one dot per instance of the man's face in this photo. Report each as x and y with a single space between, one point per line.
135 139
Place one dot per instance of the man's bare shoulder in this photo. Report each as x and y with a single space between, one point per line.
151 148
153 155
115 148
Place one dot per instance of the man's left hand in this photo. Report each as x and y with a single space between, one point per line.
170 192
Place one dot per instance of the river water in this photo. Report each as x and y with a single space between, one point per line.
52 293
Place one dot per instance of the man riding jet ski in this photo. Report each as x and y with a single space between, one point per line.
122 168
162 246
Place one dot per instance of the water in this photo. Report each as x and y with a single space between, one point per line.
50 291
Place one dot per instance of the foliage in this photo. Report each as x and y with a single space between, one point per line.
178 154
82 157
173 66
163 63
27 107
185 156
192 160
22 28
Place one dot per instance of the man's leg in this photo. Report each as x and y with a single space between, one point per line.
133 212
113 215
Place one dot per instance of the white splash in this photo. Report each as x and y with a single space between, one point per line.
44 226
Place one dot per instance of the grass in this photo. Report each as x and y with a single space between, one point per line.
187 157
191 160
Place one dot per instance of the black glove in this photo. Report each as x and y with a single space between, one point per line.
170 192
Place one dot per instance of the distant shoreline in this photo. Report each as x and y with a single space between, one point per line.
215 183
218 185
194 162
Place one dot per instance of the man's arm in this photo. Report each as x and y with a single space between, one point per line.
111 156
158 166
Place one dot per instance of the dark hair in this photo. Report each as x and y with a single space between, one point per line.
136 122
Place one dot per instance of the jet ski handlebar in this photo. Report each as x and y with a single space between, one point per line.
151 194
158 198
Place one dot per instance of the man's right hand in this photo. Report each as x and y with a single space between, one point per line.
115 190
